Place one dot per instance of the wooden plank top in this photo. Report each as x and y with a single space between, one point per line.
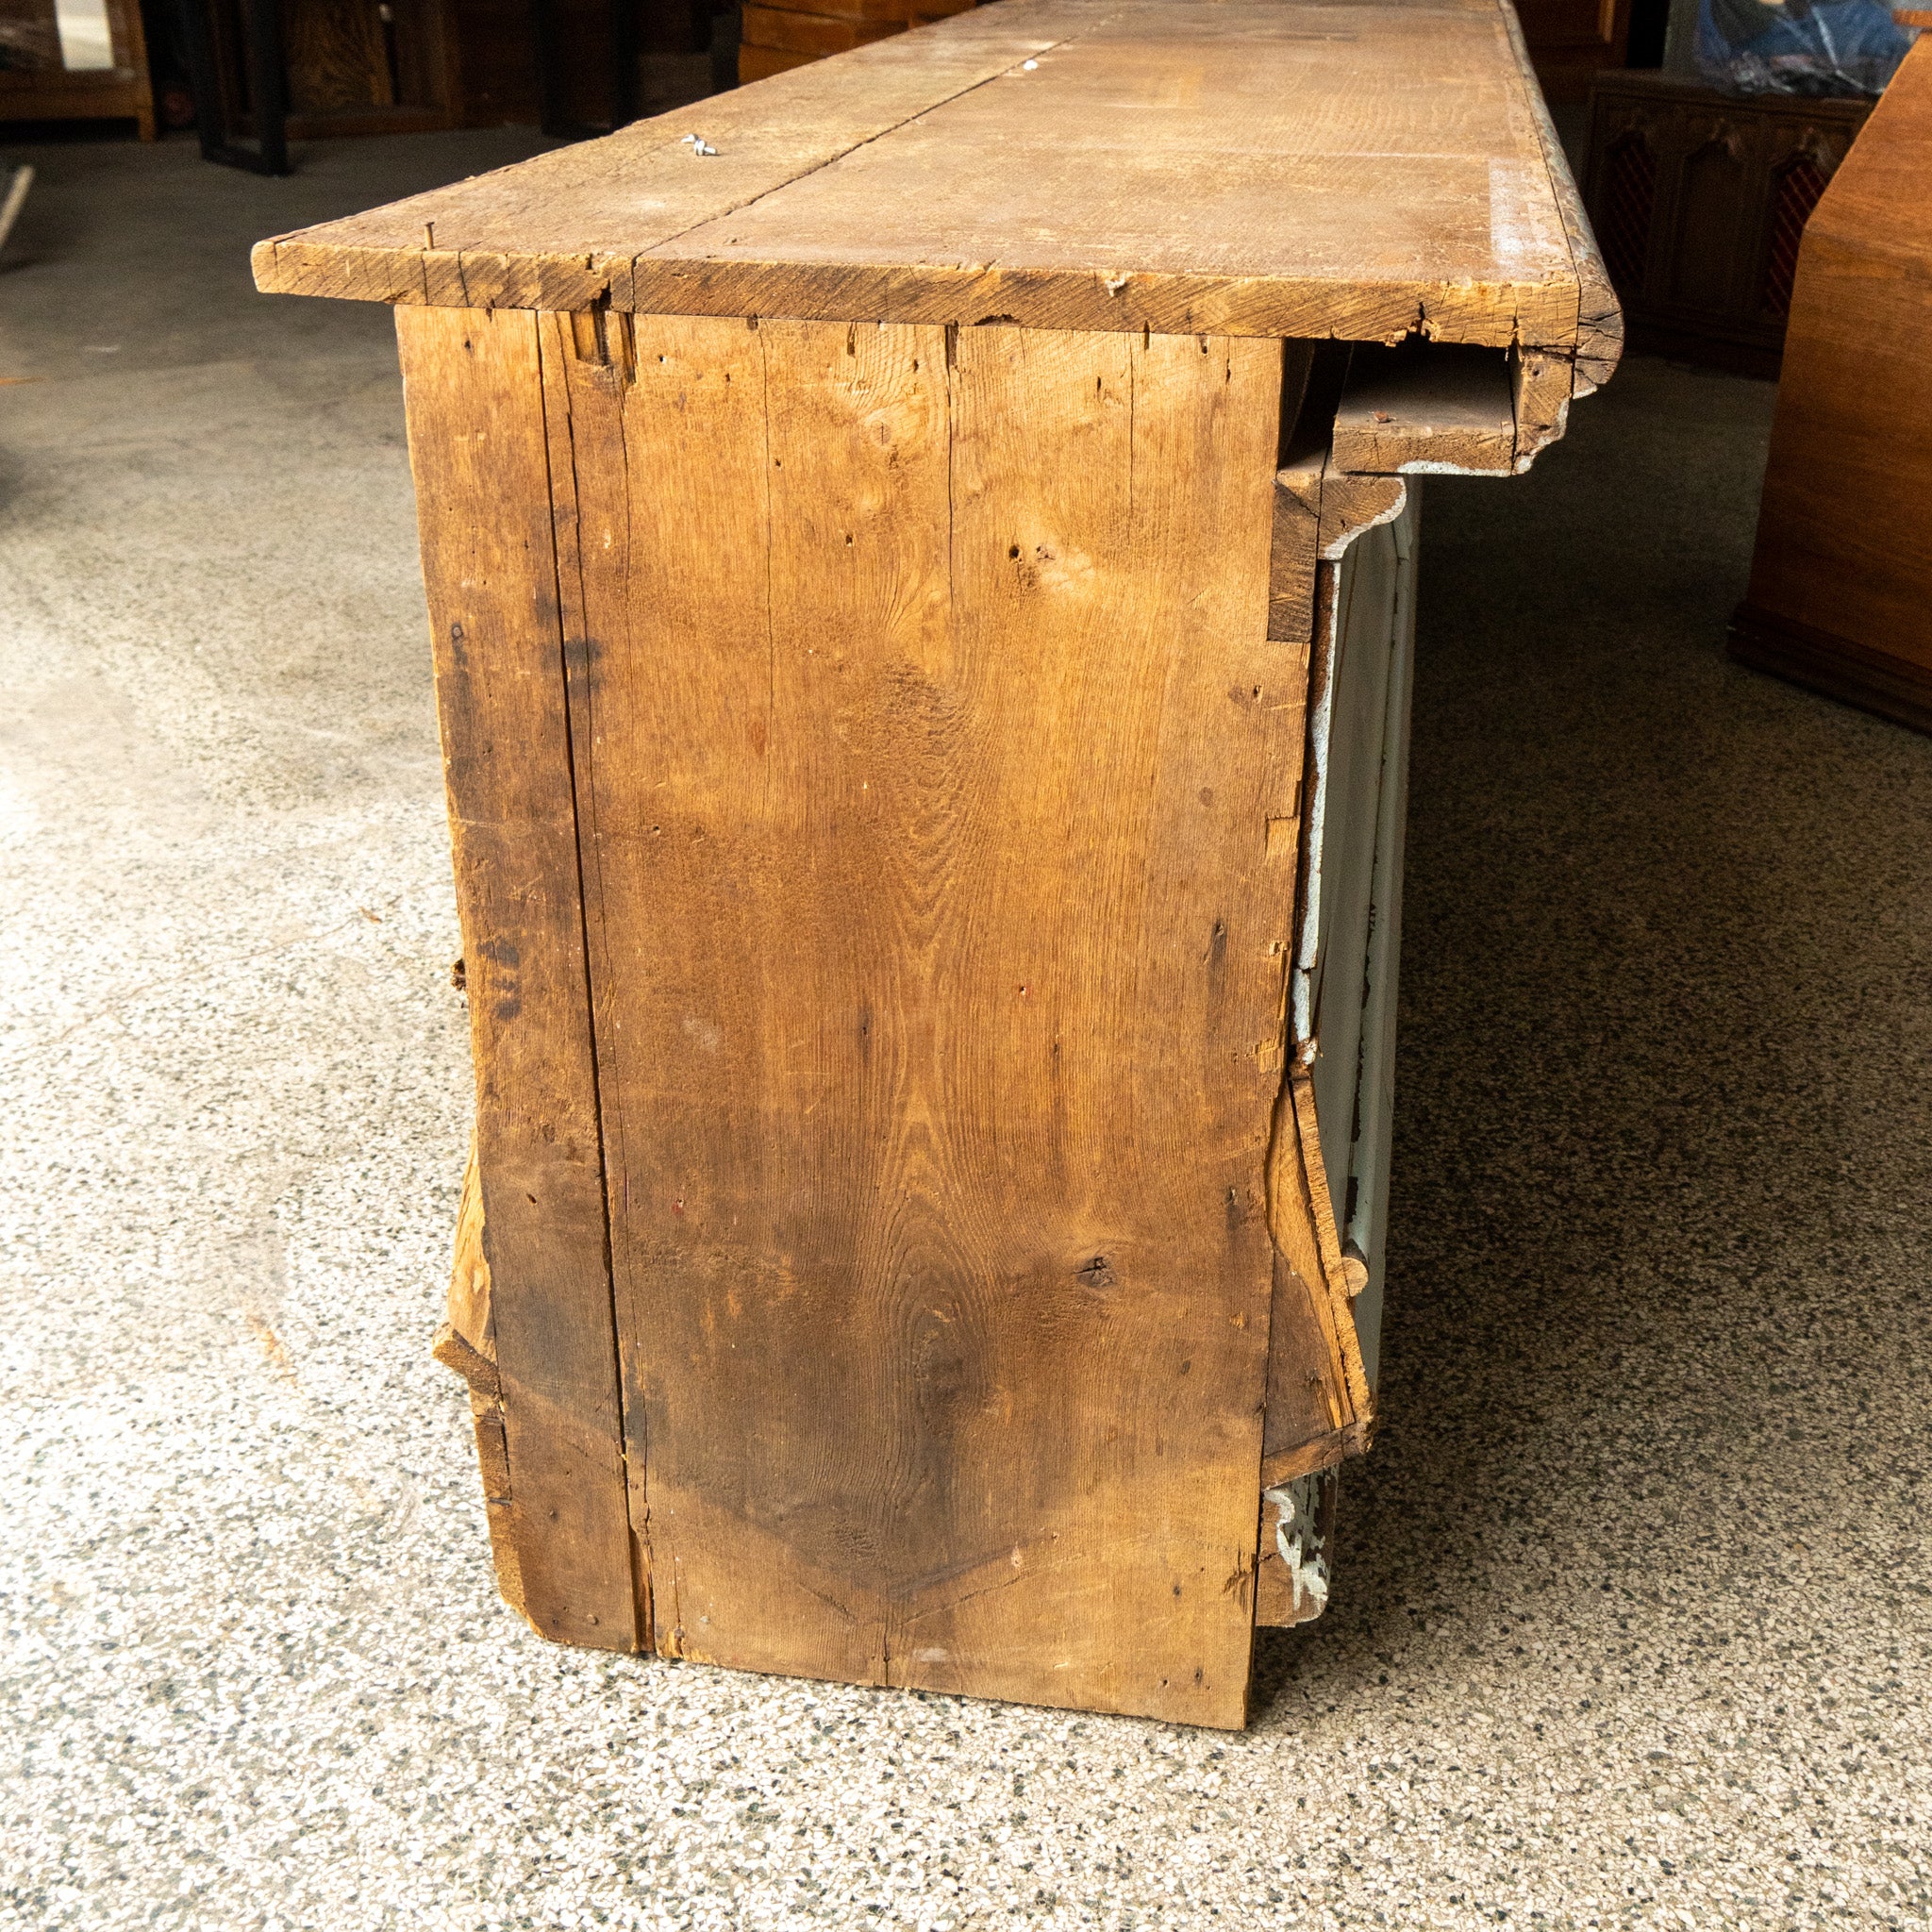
1245 167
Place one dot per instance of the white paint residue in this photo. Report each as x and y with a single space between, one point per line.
1299 1540
1321 705
87 42
1524 235
18 817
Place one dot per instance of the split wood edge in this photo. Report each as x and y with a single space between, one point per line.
466 1342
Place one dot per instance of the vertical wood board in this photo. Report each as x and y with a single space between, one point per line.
938 954
477 449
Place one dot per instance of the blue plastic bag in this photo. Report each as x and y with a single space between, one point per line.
1798 47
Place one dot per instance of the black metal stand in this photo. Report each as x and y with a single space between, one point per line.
626 93
268 88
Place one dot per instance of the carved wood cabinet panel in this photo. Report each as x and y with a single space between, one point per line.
1699 200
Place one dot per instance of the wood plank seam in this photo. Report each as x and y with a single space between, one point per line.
490 572
830 161
767 1551
587 337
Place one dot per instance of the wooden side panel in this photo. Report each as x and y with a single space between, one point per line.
1841 578
939 960
476 445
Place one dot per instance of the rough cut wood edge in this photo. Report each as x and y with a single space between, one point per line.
1598 337
1328 1242
1492 315
1352 504
1295 1222
470 1312
1318 1453
466 1342
1453 415
1542 384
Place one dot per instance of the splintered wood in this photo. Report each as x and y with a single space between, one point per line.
922 610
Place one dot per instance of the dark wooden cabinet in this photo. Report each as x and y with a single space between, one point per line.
1572 40
1841 594
1699 200
102 76
350 67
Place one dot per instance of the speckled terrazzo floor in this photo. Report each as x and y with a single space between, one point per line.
1632 1620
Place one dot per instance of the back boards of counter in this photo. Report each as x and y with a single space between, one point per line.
924 772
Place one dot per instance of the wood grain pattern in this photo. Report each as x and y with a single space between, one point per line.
1256 167
477 448
1598 341
1541 385
937 957
1840 593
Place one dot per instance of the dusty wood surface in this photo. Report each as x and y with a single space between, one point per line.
1840 593
476 447
1256 167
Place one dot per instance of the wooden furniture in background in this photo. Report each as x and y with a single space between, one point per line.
781 34
1699 200
36 84
353 67
1841 594
1570 42
340 67
921 599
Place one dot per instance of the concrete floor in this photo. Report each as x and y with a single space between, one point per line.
1632 1620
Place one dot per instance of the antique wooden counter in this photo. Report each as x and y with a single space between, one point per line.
925 731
